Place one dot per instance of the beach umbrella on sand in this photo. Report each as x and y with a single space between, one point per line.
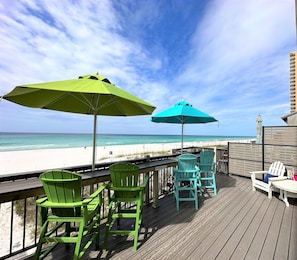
89 94
183 113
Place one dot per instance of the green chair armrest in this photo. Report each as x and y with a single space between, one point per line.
49 204
98 191
94 195
41 200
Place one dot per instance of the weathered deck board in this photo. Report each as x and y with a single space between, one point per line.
245 241
236 224
237 229
293 234
283 238
227 221
261 233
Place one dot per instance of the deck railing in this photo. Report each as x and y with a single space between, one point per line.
19 216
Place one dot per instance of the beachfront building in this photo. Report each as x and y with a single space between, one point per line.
293 86
291 119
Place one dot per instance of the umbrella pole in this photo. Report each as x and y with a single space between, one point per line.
182 143
94 142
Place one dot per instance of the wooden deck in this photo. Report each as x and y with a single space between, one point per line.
236 224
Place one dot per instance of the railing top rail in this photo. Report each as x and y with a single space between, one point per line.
80 169
32 186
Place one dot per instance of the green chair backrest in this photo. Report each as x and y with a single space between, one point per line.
124 175
187 162
206 161
62 186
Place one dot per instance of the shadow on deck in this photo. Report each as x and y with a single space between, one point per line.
236 224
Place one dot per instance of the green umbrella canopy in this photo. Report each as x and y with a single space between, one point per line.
183 113
89 94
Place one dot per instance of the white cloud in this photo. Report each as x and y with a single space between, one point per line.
228 58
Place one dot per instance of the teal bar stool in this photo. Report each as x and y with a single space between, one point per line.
186 177
207 170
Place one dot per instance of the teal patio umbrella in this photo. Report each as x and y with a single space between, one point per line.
183 113
89 94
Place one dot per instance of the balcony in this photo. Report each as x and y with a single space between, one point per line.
236 224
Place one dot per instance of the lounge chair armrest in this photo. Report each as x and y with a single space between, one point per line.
280 178
275 179
257 174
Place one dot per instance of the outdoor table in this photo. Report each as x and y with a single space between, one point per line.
288 188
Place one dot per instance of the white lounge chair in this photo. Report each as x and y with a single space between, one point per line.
264 183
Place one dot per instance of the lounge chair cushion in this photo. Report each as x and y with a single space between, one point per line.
267 176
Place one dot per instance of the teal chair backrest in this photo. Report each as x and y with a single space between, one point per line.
187 162
207 162
62 186
124 176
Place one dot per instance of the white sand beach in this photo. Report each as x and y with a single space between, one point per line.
34 160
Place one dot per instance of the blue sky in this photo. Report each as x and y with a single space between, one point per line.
228 58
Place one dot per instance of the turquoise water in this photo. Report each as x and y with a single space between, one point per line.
32 141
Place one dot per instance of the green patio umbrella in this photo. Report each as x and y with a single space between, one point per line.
89 94
183 113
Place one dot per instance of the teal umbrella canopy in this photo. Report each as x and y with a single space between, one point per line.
183 113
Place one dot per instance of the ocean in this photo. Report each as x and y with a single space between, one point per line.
35 141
